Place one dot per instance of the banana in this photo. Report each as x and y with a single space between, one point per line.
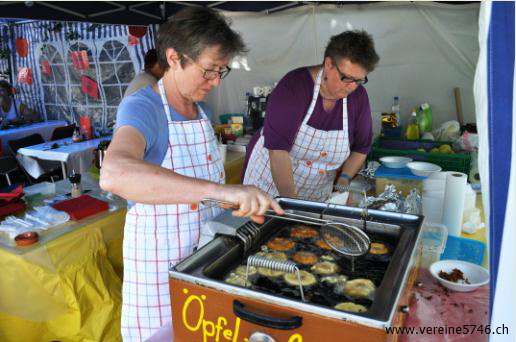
349 306
325 268
307 278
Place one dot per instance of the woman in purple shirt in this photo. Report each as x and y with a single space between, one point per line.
318 124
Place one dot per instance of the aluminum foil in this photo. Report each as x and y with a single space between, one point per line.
392 200
413 204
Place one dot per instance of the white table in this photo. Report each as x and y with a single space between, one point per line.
73 156
43 128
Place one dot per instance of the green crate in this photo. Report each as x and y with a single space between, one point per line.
382 147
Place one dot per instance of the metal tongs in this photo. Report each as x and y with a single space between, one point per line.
343 238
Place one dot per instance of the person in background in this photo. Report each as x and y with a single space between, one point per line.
318 124
164 160
10 108
150 75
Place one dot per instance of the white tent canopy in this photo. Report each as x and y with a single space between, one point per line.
426 50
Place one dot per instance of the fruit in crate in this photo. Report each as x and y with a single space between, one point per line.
421 150
435 150
445 148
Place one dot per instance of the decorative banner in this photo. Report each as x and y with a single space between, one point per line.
132 40
86 126
80 60
45 67
138 31
22 46
89 86
25 76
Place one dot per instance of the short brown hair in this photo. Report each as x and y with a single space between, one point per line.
357 46
193 29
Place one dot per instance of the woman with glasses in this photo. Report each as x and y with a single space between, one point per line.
318 124
164 160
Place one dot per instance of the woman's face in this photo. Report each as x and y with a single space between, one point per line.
190 80
340 76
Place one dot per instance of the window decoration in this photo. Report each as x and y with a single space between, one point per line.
22 46
89 86
138 31
25 76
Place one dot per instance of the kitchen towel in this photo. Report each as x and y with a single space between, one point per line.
453 205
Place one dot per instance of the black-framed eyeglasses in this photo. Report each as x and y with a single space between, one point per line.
346 79
210 74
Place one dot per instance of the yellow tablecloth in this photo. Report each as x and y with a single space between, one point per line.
66 289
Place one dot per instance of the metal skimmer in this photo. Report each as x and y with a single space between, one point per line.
344 238
276 265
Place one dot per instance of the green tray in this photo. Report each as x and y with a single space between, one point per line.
383 147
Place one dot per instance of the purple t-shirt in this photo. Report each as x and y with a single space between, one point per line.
288 104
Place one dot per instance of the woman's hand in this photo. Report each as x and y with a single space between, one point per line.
250 201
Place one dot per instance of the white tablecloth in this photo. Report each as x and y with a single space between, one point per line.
78 157
43 128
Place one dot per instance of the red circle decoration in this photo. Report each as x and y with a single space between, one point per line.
138 31
22 47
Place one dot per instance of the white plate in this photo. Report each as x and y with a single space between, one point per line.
423 169
395 162
476 275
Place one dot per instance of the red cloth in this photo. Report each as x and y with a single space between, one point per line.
12 208
82 206
11 196
435 306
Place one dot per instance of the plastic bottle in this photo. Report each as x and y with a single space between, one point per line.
424 118
413 127
396 108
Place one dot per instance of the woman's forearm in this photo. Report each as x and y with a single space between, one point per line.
282 173
353 164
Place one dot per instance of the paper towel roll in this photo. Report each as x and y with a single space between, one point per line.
453 205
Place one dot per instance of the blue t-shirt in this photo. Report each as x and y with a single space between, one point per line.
144 111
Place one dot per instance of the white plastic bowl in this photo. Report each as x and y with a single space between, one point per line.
395 162
423 169
476 275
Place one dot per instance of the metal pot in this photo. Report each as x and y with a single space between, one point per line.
100 151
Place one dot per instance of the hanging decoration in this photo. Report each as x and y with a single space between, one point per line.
89 86
80 59
132 40
25 76
138 31
45 67
22 47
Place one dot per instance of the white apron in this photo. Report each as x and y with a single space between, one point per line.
316 156
157 237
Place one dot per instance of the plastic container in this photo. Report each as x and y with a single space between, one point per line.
401 178
43 188
433 242
384 146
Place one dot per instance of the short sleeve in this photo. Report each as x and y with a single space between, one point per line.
286 107
139 112
363 125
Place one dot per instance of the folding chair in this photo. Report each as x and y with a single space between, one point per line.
63 132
